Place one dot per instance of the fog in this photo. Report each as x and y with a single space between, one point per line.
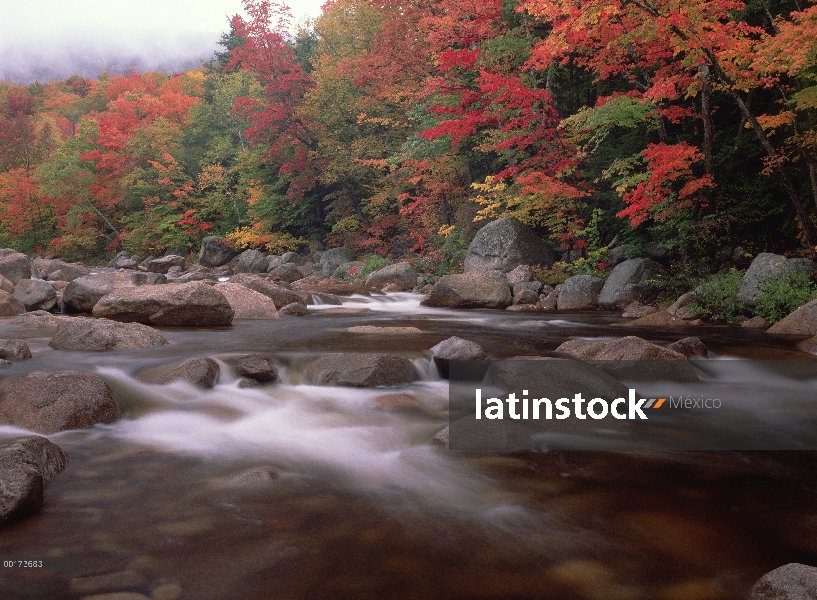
42 40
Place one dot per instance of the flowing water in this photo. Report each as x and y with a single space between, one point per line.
360 504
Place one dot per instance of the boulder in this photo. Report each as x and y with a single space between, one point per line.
628 282
521 274
124 260
14 350
287 272
659 318
335 256
15 266
251 261
246 303
9 305
281 296
525 296
96 335
472 435
682 302
216 251
455 348
68 271
802 321
6 285
402 275
178 251
470 290
38 319
35 294
636 310
548 301
691 347
534 286
768 267
175 304
579 292
756 322
295 309
292 258
165 263
52 401
83 293
793 581
253 366
26 465
202 372
361 370
504 245
619 254
317 285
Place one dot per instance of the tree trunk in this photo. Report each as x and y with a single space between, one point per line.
706 115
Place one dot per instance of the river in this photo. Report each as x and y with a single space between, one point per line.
360 504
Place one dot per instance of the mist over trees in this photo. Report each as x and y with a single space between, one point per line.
400 127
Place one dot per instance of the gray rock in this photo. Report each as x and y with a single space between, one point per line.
26 465
15 266
682 302
504 245
251 261
348 270
178 251
295 309
6 285
257 476
281 296
69 271
97 335
756 322
525 296
691 347
52 401
38 319
534 286
247 303
35 294
769 267
164 264
549 301
202 372
579 292
14 350
402 275
9 305
471 435
470 290
287 272
177 304
125 260
361 370
628 282
254 366
216 251
336 256
521 274
619 254
793 581
292 258
83 293
455 348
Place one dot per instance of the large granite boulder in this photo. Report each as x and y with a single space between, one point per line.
580 292
402 276
97 335
69 271
470 290
361 370
26 465
793 581
504 245
202 372
165 263
802 321
280 295
629 282
769 267
35 294
251 261
15 266
83 293
216 251
52 401
10 306
247 303
175 304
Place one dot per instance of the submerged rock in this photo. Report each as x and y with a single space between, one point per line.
52 401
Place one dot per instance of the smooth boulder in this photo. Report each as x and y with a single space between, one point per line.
361 370
793 581
202 372
97 335
470 290
15 266
52 401
580 292
802 321
35 294
26 465
83 293
403 276
456 349
247 303
504 245
175 304
216 251
629 281
280 296
768 267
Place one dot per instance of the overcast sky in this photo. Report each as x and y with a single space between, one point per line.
46 39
